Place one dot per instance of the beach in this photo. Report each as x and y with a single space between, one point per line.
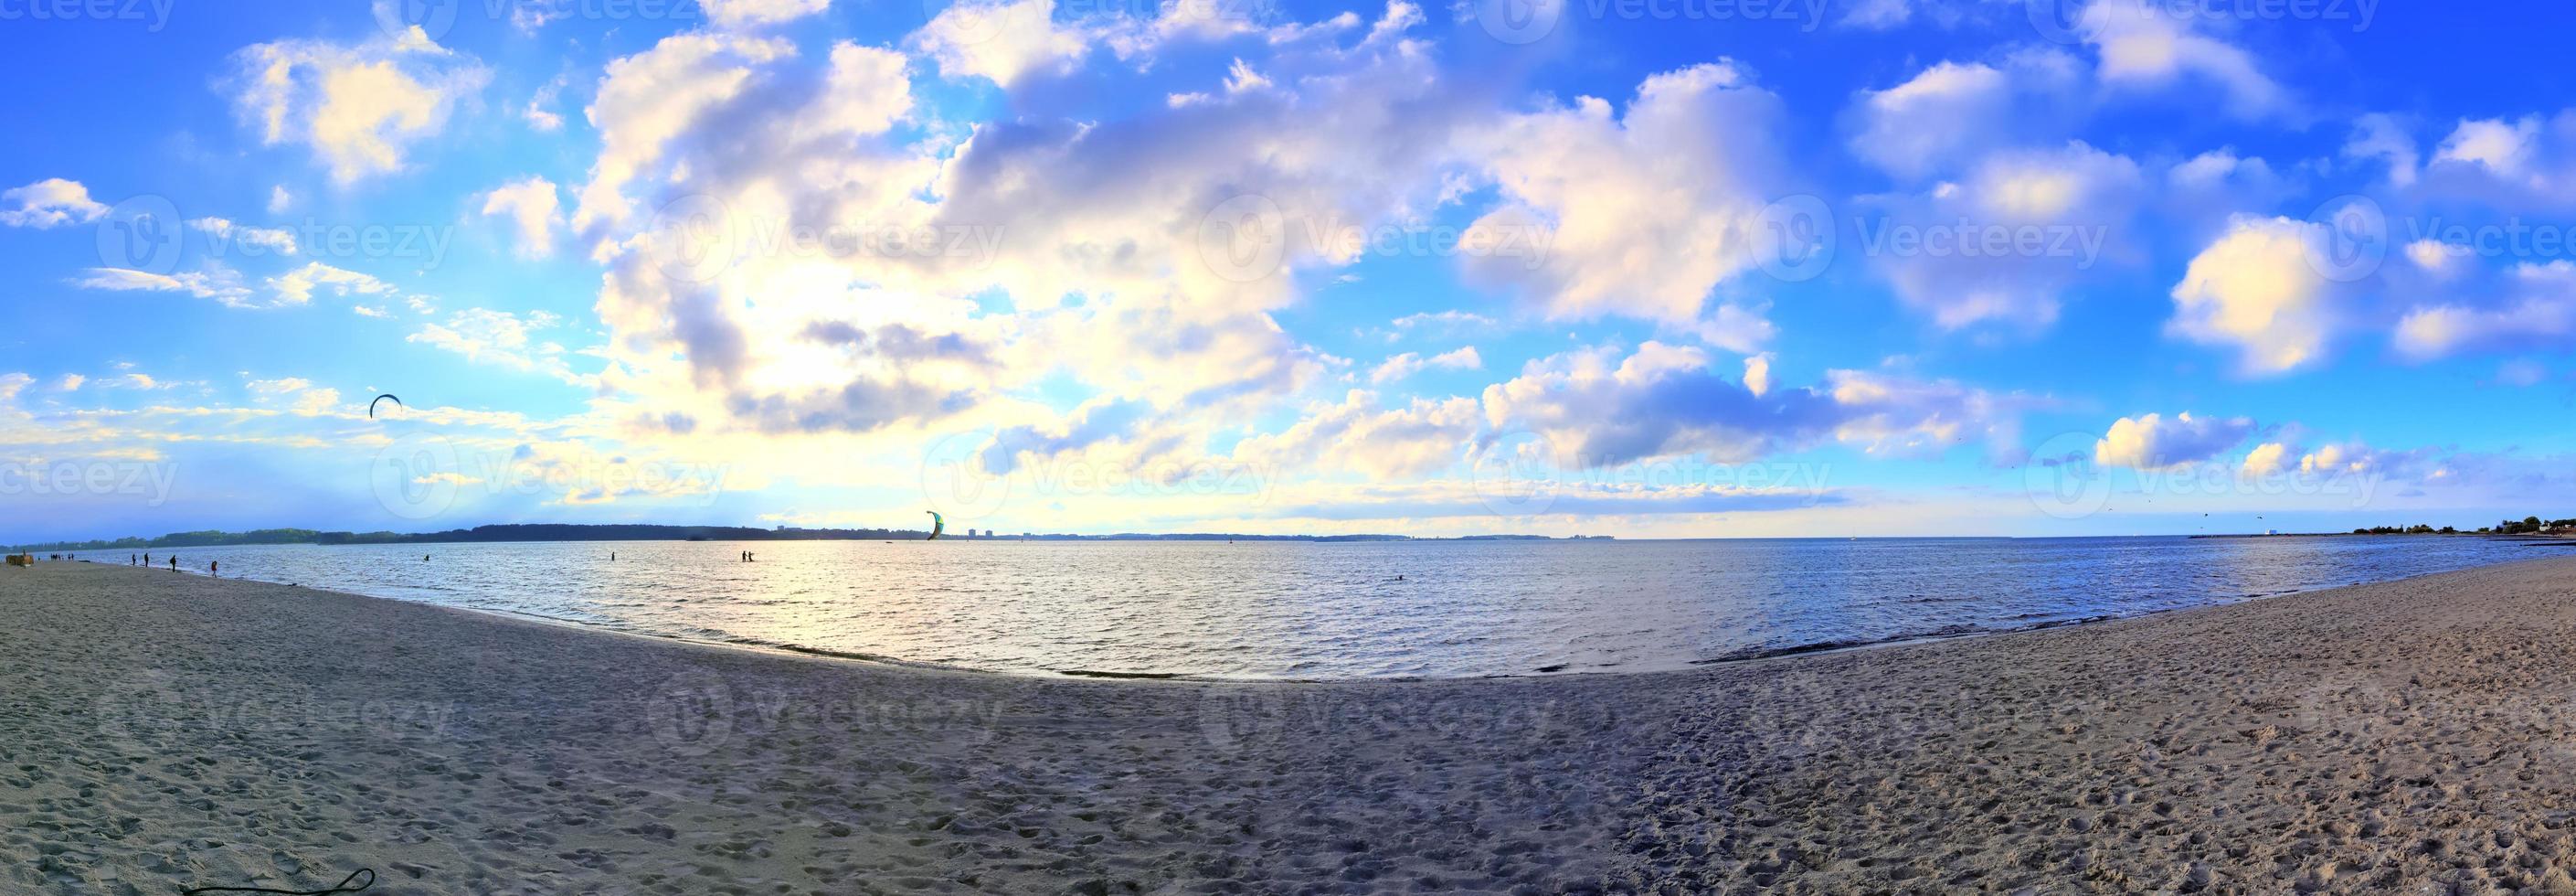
161 730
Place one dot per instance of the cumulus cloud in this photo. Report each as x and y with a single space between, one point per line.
296 287
270 239
648 99
2155 442
1952 112
1361 435
1604 409
300 393
1639 213
2142 45
1409 363
2258 290
2267 459
2002 244
532 205
48 203
2541 310
501 338
758 13
219 284
1000 41
358 106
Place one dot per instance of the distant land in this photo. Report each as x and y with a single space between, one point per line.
616 532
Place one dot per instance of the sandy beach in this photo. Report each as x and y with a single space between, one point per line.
163 730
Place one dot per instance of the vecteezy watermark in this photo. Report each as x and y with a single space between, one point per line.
1249 237
696 238
154 14
142 233
1964 238
974 475
148 480
153 712
1245 717
420 476
1521 473
1528 21
2514 238
2065 478
2074 21
435 17
2348 238
425 244
697 712
970 22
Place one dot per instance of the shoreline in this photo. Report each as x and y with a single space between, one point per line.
1969 631
163 730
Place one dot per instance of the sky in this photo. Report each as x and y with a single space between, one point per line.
1646 268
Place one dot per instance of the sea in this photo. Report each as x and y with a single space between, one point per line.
1343 610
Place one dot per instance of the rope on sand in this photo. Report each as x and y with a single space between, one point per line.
342 888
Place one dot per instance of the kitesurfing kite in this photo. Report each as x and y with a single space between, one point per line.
380 399
937 525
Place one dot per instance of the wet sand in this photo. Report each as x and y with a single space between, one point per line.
162 730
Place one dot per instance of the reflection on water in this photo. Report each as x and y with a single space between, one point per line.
1301 610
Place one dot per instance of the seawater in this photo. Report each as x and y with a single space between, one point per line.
1343 610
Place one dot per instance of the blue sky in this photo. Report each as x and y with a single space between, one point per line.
1667 268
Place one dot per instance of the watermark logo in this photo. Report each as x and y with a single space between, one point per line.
692 713
1793 238
2352 238
2063 481
151 481
693 238
1234 718
142 713
155 14
142 233
955 481
1244 238
1517 21
396 18
416 476
1517 474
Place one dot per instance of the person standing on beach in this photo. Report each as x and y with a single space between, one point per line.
174 563
215 568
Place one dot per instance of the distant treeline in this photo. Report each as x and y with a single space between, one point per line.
2525 526
580 532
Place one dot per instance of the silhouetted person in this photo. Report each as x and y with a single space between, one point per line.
215 568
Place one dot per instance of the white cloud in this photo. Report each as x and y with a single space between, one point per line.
306 398
531 204
2543 309
1954 111
1358 435
71 382
2155 442
279 199
2142 45
648 99
48 203
1639 214
501 338
1408 364
2054 214
2381 137
296 287
999 41
2267 459
359 106
2257 289
271 239
218 284
2505 148
756 13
